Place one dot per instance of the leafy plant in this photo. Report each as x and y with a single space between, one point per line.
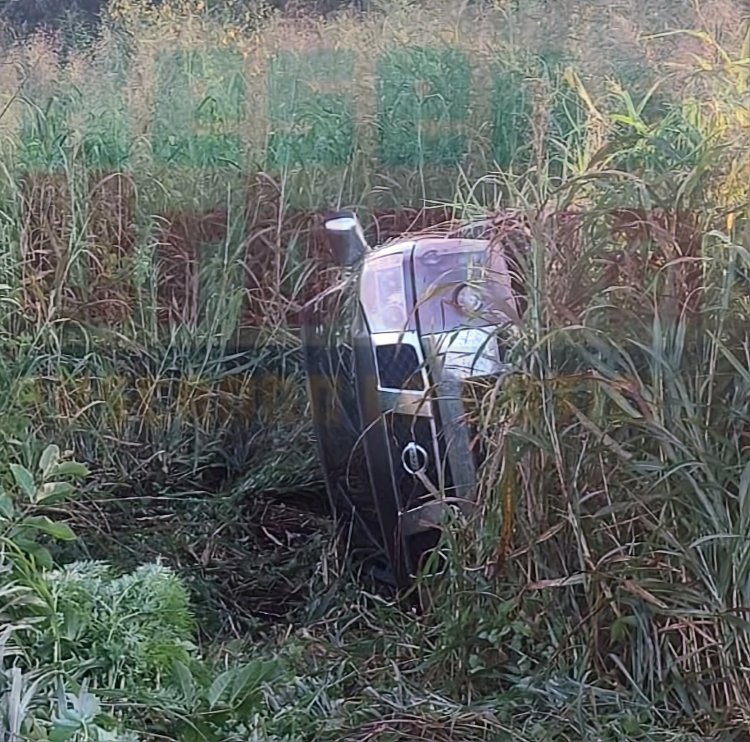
601 595
122 631
206 705
80 717
27 499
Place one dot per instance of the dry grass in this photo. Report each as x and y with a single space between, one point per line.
607 579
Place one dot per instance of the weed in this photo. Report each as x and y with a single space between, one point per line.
155 260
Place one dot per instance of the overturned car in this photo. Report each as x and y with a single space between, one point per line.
391 352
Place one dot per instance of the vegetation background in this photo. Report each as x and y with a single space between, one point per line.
165 169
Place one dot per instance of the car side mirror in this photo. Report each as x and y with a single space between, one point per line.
347 239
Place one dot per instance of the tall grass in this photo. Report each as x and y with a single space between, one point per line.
161 184
609 568
163 189
160 188
153 282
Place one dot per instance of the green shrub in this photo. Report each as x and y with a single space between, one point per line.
124 631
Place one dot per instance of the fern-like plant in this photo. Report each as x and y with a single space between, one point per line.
122 631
